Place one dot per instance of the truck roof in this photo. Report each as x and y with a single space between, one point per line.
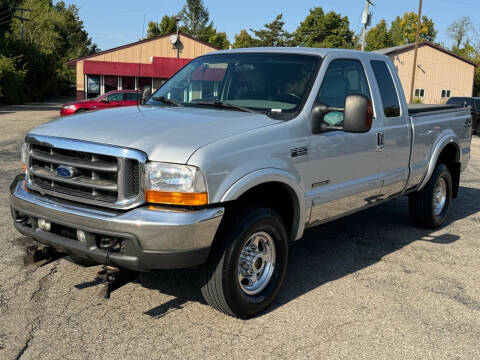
303 51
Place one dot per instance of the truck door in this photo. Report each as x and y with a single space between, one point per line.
396 137
344 168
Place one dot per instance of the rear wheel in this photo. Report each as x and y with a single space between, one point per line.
429 207
245 271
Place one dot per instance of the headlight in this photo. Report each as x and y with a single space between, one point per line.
68 107
24 156
175 184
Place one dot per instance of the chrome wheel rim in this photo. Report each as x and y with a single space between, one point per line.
256 263
439 197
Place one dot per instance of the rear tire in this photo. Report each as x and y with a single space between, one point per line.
246 268
429 207
79 111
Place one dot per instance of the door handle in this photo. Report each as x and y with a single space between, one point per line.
380 141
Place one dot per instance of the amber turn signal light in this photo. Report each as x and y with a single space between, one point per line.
176 198
24 168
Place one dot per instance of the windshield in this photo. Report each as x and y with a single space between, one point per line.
275 84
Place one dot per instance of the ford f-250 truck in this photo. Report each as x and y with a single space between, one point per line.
232 159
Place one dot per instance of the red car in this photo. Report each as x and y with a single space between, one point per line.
111 99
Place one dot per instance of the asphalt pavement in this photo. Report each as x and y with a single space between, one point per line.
368 286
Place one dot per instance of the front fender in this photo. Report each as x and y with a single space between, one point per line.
266 175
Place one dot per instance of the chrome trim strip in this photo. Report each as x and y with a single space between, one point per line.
79 180
122 154
87 146
68 161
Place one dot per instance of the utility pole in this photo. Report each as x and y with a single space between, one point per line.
366 22
177 45
414 70
22 19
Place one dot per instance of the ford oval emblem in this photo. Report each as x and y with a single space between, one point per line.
65 171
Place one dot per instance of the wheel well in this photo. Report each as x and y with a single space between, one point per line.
278 197
450 156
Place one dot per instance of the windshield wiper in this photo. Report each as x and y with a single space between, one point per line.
166 100
223 105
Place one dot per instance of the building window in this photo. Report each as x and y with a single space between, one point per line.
144 81
420 93
128 82
157 83
445 93
93 86
110 82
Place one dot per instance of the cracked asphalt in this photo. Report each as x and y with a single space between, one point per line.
366 286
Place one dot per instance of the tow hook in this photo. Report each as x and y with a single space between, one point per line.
112 277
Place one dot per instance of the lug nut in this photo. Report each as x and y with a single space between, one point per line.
45 225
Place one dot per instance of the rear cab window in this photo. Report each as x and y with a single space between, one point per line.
388 91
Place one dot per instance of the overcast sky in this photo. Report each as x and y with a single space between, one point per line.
114 23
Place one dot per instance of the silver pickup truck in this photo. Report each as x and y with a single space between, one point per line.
232 159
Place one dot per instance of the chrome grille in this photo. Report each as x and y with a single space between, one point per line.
106 177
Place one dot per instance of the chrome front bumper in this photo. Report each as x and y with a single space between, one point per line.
151 238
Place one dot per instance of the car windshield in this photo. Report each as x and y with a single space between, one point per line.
275 84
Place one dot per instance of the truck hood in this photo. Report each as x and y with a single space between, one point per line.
170 134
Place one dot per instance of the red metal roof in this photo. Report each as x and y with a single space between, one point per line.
161 67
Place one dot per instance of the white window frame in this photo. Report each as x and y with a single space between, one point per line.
448 93
420 93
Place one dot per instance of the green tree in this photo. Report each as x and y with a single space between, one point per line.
217 39
53 35
378 37
329 30
472 53
195 17
167 25
460 30
74 41
244 40
6 16
273 34
403 29
10 77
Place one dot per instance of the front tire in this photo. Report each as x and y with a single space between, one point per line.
245 270
429 207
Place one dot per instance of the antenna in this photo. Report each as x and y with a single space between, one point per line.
140 55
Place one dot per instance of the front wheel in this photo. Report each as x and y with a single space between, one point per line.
429 207
246 269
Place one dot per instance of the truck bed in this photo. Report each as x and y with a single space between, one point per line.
421 108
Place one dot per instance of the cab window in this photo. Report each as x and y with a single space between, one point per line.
115 97
388 92
130 96
343 77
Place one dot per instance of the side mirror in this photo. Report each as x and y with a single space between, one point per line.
318 114
105 100
358 114
146 93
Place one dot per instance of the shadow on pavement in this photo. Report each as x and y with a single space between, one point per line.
327 252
